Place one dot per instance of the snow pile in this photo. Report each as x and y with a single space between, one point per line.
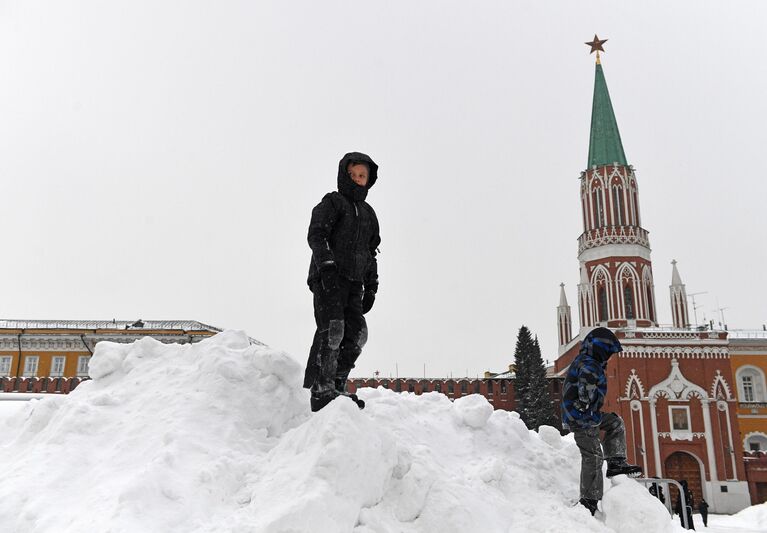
754 517
218 437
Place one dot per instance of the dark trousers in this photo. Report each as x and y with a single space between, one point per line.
588 441
340 336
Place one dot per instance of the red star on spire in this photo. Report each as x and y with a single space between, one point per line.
596 45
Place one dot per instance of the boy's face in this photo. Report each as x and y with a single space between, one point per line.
358 173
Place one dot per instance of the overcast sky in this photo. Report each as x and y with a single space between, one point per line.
160 160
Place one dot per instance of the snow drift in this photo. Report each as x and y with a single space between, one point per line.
218 437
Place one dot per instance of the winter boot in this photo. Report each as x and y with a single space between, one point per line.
341 384
618 465
589 504
319 400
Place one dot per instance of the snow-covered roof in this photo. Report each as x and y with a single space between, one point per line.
185 325
747 334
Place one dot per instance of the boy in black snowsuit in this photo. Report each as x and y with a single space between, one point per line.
582 399
343 275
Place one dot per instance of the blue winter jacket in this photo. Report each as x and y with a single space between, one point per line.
586 383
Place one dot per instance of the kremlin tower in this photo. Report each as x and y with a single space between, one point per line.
671 385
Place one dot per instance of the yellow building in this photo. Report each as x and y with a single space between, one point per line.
748 356
53 355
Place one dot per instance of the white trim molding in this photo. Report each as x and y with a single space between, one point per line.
634 378
719 380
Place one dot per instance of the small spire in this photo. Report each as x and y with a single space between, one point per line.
562 297
598 60
676 279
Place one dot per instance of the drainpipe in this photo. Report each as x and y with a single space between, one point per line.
82 338
18 363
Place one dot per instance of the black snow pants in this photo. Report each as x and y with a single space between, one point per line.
341 334
588 442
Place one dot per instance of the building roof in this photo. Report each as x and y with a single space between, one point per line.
747 334
184 325
605 147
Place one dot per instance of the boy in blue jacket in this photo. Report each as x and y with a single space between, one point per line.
582 398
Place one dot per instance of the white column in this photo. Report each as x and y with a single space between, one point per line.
636 405
656 450
705 403
722 406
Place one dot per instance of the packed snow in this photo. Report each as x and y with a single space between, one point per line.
218 437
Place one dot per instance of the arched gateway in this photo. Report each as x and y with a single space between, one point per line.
679 466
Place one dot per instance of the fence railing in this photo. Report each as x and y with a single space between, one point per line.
658 485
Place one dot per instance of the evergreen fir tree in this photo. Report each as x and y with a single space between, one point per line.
522 355
539 404
531 388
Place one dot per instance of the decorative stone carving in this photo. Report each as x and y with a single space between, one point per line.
676 386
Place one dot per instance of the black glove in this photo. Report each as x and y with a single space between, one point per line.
329 278
368 299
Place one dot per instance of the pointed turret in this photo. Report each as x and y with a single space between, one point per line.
676 279
678 299
605 146
562 296
563 318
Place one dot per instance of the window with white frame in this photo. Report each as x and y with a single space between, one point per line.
5 365
57 366
82 365
748 388
751 385
30 366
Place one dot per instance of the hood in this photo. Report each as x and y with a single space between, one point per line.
601 343
345 184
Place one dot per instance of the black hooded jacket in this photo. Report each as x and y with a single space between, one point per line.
343 232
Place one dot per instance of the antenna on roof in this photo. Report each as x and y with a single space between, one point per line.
695 307
721 314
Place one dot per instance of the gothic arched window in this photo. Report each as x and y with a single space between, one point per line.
602 302
650 306
599 208
628 301
637 220
618 205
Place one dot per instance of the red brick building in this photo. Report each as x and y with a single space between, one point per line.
672 385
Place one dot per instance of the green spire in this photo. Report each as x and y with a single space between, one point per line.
605 147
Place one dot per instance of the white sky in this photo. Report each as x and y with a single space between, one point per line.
160 160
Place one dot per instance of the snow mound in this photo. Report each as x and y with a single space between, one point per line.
218 437
754 517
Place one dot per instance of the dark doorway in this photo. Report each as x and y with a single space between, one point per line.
679 466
